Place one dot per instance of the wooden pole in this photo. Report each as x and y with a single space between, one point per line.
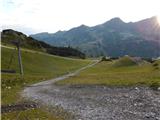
20 59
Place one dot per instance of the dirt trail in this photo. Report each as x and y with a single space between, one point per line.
18 107
97 102
49 82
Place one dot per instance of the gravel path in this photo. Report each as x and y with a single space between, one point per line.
98 102
18 107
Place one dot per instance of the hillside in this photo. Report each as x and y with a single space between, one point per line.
113 38
125 61
37 67
10 36
121 72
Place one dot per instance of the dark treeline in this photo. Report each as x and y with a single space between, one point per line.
62 51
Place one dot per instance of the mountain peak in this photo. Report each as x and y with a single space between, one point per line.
116 20
83 26
13 32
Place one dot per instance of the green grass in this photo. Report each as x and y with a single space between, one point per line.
32 114
125 61
37 67
110 74
36 63
158 61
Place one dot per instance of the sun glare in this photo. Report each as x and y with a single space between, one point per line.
158 19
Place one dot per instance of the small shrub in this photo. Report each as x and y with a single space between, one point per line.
149 60
154 86
105 59
155 64
156 68
114 58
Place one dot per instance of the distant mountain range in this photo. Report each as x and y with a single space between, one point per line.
113 38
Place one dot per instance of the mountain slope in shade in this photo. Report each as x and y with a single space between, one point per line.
10 36
113 38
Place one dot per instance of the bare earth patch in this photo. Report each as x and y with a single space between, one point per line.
100 102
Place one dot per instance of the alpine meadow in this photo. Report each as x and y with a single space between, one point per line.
80 60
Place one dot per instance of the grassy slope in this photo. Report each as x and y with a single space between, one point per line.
37 67
109 73
124 61
33 114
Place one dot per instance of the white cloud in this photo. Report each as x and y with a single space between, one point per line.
53 15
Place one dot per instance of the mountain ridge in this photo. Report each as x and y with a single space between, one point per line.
112 38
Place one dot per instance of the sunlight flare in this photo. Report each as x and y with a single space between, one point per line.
158 19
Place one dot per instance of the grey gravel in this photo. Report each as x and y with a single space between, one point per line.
91 102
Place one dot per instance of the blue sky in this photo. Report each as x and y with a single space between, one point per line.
33 16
